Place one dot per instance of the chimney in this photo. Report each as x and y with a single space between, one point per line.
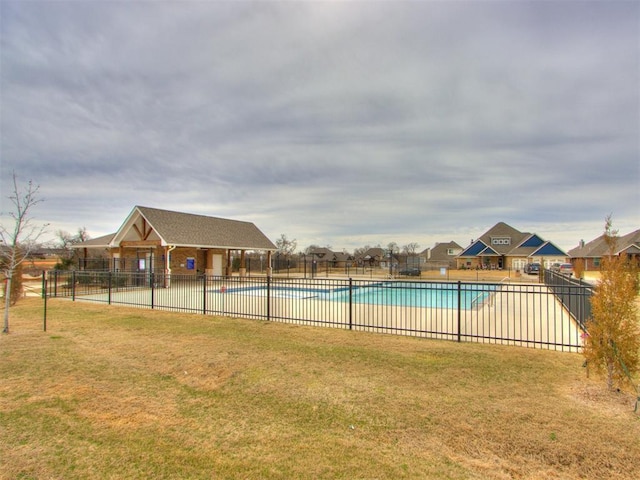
581 243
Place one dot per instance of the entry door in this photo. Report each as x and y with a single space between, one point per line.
216 261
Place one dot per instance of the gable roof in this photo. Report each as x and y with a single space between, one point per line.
375 252
321 252
502 230
474 249
189 230
103 242
510 242
440 251
326 254
549 249
598 247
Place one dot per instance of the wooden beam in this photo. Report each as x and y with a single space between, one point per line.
145 232
140 243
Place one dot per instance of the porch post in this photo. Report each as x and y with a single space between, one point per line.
167 267
243 267
208 269
228 269
269 269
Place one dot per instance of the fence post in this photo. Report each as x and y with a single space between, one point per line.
110 277
204 294
73 286
459 310
44 296
268 297
152 289
350 303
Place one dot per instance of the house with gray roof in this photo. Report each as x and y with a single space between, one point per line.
378 257
334 259
164 241
504 247
442 255
591 253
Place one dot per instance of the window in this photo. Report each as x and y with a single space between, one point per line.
500 240
451 251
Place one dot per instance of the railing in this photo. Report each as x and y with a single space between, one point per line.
514 314
574 294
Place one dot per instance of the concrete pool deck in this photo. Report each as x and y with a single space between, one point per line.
523 314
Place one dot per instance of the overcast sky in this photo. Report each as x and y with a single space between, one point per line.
339 124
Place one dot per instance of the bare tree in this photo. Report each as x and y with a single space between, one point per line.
19 237
311 248
285 246
358 252
65 241
393 247
410 249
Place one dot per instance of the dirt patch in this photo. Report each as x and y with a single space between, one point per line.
595 396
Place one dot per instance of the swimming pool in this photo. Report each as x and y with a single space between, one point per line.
406 294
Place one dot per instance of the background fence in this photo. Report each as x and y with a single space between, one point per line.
532 315
563 288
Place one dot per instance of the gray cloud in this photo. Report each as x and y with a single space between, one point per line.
335 123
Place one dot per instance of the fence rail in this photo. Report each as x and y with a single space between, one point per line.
563 288
531 315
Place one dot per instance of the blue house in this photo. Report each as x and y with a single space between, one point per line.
504 247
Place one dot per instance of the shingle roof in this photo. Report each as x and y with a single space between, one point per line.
598 247
103 241
188 229
440 251
191 230
521 244
501 229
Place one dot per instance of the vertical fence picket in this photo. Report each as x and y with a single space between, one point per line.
350 304
204 294
110 286
459 311
268 298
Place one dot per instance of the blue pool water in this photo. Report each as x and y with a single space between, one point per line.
409 294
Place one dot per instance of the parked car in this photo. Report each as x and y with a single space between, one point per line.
411 272
566 269
532 268
555 267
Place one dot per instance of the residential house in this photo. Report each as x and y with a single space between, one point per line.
442 255
163 241
333 259
590 254
378 257
504 247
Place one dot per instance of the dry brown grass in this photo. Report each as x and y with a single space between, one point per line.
112 392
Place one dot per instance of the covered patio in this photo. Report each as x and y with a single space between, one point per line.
152 240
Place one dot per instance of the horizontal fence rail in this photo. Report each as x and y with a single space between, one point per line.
531 315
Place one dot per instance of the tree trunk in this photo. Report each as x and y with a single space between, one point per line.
7 301
610 371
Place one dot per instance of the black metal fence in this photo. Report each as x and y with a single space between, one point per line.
564 288
531 315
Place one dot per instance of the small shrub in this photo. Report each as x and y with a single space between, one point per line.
612 346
